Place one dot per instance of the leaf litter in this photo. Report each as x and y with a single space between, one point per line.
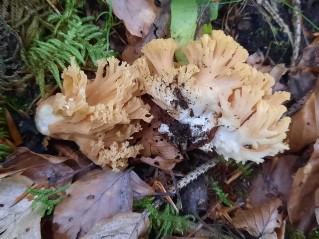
101 196
99 203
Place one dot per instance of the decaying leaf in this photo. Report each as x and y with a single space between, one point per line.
301 204
10 189
317 205
303 77
138 15
157 150
128 225
26 226
275 180
40 168
159 29
24 159
304 128
97 197
260 220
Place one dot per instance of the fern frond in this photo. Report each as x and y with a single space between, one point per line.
11 59
48 198
5 149
26 17
73 37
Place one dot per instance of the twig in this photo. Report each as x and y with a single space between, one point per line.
200 170
297 32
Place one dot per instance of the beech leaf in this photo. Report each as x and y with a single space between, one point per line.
26 226
304 128
97 197
10 189
138 15
128 225
23 159
301 203
260 220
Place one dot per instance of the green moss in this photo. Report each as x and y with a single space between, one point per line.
164 222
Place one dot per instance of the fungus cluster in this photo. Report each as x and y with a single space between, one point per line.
215 101
100 115
224 104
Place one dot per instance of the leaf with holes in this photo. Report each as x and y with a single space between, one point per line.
260 220
97 197
10 189
26 226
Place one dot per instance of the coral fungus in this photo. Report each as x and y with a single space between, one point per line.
224 104
100 115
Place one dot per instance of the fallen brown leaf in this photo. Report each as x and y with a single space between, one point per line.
317 205
95 198
303 77
138 15
38 167
127 225
23 159
274 180
304 128
260 220
14 132
10 189
157 150
301 204
159 29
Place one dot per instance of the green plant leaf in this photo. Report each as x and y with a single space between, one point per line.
183 24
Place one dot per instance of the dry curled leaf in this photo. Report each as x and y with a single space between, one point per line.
304 128
301 204
95 198
129 225
260 220
138 15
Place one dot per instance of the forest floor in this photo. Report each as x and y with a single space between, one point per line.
55 187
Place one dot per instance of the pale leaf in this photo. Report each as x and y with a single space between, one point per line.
10 189
138 15
260 220
26 226
128 225
97 197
